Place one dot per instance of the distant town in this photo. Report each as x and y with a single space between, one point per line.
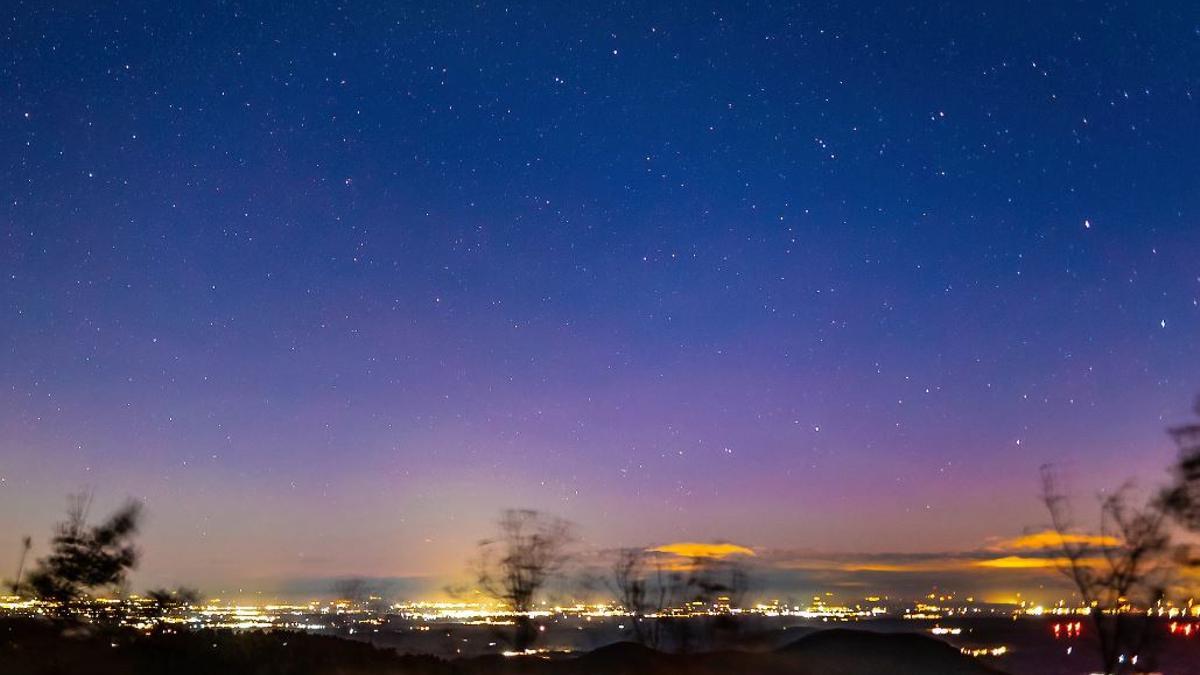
142 612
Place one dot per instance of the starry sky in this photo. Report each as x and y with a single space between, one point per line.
329 284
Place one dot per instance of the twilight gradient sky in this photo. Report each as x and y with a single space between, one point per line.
328 286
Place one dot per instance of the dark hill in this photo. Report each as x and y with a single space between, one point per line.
40 648
859 652
621 657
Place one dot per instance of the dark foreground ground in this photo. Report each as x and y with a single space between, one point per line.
35 648
1021 646
30 647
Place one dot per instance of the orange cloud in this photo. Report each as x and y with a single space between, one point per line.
1036 552
692 549
1011 562
1022 562
1049 539
963 561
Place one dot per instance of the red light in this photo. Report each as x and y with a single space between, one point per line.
1069 630
1184 629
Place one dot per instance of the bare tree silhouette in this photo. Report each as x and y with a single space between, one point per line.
15 584
630 584
1121 566
1182 497
355 590
706 585
528 550
363 595
166 602
85 557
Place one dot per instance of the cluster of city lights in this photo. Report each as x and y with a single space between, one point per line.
142 613
985 651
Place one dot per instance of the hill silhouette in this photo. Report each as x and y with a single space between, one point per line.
850 652
29 647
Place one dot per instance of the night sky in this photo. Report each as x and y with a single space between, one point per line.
328 285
